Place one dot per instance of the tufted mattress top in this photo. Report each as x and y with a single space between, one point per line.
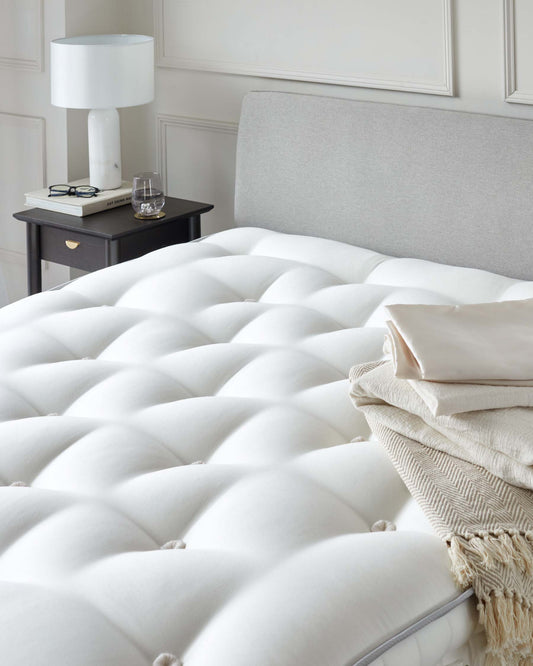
182 470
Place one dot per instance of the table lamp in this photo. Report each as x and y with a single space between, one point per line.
101 73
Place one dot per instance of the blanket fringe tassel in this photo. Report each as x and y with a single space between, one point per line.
506 615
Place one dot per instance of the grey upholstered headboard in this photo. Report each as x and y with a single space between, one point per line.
406 181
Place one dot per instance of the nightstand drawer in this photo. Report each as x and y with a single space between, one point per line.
72 249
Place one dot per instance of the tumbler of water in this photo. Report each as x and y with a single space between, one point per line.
147 197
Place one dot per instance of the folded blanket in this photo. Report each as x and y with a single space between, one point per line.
500 440
445 398
462 469
481 343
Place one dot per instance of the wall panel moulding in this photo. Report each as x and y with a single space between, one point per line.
21 34
518 28
196 158
380 44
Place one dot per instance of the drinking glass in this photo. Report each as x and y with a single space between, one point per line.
147 196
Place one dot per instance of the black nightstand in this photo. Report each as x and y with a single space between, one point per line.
106 238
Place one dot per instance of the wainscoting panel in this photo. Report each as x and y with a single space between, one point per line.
380 44
197 161
519 51
21 34
20 137
12 276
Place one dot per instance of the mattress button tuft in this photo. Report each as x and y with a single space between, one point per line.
174 545
167 659
383 526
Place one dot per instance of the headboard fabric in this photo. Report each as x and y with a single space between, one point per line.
447 186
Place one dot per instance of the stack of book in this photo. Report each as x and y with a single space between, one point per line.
80 206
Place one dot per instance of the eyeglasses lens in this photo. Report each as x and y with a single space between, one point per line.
86 191
58 190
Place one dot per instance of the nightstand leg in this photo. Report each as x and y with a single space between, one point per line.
111 253
33 248
194 227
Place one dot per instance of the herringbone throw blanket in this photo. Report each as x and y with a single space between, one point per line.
455 467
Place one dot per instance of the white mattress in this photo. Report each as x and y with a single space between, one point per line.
232 352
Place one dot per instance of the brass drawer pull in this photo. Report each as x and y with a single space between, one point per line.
72 245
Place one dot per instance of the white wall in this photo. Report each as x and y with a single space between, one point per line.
442 53
32 136
436 46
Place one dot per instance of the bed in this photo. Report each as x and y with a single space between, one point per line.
183 477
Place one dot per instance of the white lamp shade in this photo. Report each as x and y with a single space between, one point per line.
102 71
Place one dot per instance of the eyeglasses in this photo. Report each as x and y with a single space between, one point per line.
71 191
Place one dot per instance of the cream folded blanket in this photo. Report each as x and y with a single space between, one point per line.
472 475
480 343
446 398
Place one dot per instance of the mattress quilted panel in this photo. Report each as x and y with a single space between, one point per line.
182 471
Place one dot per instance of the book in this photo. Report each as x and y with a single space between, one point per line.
80 206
